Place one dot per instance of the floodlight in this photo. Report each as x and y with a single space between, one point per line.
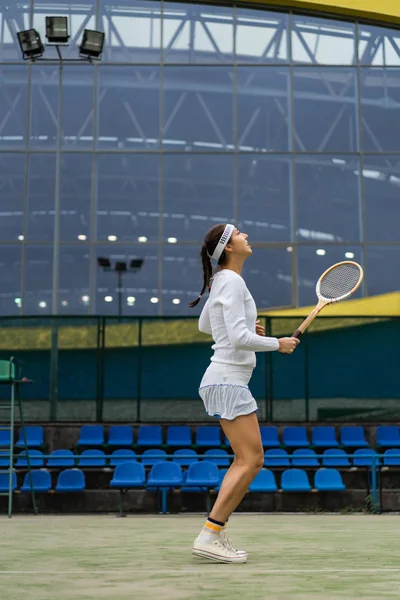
57 30
30 44
92 43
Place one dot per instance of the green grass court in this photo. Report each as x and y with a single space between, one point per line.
302 557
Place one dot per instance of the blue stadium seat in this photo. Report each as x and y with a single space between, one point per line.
166 474
120 436
152 456
295 437
295 480
264 481
149 436
128 475
391 457
353 436
61 458
41 481
208 436
118 457
324 437
388 436
276 458
328 480
71 480
363 457
34 437
92 458
335 458
91 436
219 457
179 436
5 438
4 461
202 474
4 481
304 457
185 457
269 436
35 459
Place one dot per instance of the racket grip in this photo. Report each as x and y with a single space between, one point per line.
297 334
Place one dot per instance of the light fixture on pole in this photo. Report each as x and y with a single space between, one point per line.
120 268
30 44
92 44
57 30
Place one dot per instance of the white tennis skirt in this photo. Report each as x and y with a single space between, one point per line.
225 392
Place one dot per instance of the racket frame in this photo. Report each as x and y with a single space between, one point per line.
322 302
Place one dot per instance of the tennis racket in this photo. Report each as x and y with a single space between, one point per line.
337 283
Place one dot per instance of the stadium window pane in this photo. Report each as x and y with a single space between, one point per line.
41 197
327 196
10 275
127 197
44 106
13 106
14 16
325 109
198 193
140 291
378 46
129 107
77 107
38 279
380 109
81 16
261 36
313 260
268 275
12 185
196 33
263 111
265 190
74 275
383 269
132 31
76 196
381 180
323 41
198 109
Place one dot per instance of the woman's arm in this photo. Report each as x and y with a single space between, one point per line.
204 320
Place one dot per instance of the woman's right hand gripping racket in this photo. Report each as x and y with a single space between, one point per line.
337 283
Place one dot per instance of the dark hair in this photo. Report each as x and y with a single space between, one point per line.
210 243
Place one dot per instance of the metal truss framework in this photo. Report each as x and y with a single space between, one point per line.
173 47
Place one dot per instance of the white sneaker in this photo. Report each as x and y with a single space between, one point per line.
218 551
225 539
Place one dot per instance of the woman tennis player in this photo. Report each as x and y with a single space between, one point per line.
229 315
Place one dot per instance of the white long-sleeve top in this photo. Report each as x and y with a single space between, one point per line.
230 315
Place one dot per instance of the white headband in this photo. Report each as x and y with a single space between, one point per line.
223 240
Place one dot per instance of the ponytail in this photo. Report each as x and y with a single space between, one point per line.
207 274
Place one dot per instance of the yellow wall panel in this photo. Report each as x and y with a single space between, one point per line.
387 11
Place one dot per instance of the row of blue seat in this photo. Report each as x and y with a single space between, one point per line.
198 478
278 457
387 436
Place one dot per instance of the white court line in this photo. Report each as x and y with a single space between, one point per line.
196 571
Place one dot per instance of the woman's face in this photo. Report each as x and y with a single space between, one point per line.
239 245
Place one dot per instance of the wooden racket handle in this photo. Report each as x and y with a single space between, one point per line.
297 334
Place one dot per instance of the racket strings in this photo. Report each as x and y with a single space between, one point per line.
340 281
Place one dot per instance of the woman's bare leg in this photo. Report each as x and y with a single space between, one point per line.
244 436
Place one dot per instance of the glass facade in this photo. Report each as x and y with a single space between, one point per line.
287 125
